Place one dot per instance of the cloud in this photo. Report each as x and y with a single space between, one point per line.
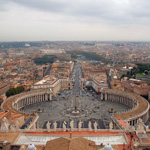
3 5
43 5
66 18
113 10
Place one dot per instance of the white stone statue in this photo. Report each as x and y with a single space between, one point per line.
50 90
110 125
80 125
48 126
4 125
95 126
55 126
140 126
128 127
64 126
72 125
90 126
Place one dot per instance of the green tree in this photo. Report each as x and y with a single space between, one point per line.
14 91
45 59
74 55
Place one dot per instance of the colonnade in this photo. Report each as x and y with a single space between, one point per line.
31 99
139 107
123 99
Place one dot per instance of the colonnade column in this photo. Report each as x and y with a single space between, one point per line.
101 96
46 97
105 96
50 97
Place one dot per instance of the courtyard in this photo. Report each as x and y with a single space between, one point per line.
86 102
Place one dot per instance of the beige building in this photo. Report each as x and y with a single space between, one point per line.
55 85
97 82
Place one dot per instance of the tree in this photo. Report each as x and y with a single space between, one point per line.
14 91
45 59
74 55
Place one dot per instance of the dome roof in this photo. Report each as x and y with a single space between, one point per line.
31 147
108 147
74 143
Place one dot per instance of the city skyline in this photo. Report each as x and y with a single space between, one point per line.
64 20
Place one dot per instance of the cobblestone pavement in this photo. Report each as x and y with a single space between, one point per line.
56 110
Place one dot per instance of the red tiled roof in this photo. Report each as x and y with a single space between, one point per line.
2 114
70 144
122 123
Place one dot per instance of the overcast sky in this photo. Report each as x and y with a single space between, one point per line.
33 20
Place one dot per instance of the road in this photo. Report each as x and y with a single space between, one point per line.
77 79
